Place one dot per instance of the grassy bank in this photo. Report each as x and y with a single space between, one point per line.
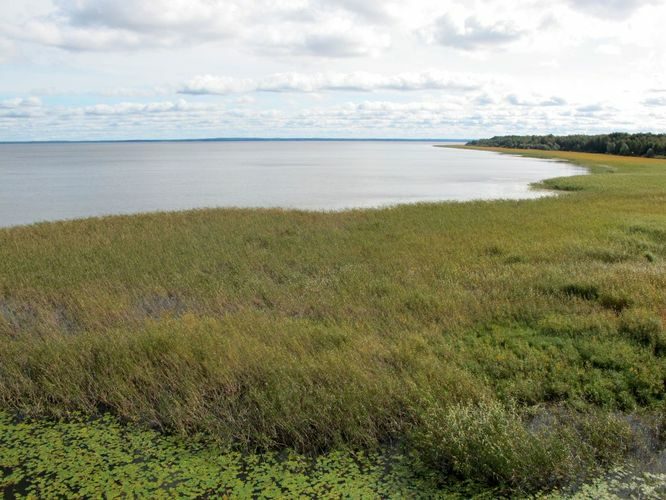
496 341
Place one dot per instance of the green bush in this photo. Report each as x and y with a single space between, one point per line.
606 436
491 444
526 450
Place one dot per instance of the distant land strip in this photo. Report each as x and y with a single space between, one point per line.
644 144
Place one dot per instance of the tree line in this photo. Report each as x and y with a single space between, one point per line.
645 144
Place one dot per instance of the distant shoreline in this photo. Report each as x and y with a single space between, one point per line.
239 139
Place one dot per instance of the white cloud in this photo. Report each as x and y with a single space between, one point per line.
343 43
535 101
333 37
458 116
20 102
328 29
21 108
130 108
103 25
610 9
484 100
471 33
591 108
655 101
317 82
217 85
376 11
208 17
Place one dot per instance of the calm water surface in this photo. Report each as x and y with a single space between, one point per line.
41 182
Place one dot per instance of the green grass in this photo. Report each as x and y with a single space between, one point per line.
406 326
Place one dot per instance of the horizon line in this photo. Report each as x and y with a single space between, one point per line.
244 139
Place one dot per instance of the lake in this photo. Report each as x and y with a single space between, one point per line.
53 181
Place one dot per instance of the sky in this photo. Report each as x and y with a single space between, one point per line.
170 69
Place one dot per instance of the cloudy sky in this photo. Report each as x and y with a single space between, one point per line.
127 69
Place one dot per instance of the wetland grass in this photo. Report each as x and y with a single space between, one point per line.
452 331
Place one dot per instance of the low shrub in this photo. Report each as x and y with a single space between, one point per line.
515 449
490 443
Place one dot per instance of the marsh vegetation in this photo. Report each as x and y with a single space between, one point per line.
514 345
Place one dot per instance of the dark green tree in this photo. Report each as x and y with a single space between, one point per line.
643 144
